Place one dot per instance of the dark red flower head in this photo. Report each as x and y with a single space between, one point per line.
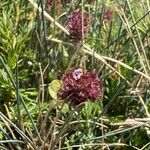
55 6
74 25
108 15
79 86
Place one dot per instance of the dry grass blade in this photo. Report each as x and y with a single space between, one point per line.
104 58
100 145
89 53
130 34
48 17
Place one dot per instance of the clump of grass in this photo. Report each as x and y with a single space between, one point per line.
36 50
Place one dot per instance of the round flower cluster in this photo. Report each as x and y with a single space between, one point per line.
79 86
77 25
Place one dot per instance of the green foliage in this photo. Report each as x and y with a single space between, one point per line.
91 109
53 88
35 53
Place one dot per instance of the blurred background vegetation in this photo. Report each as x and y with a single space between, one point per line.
35 49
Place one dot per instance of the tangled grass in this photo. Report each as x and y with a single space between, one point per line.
36 50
